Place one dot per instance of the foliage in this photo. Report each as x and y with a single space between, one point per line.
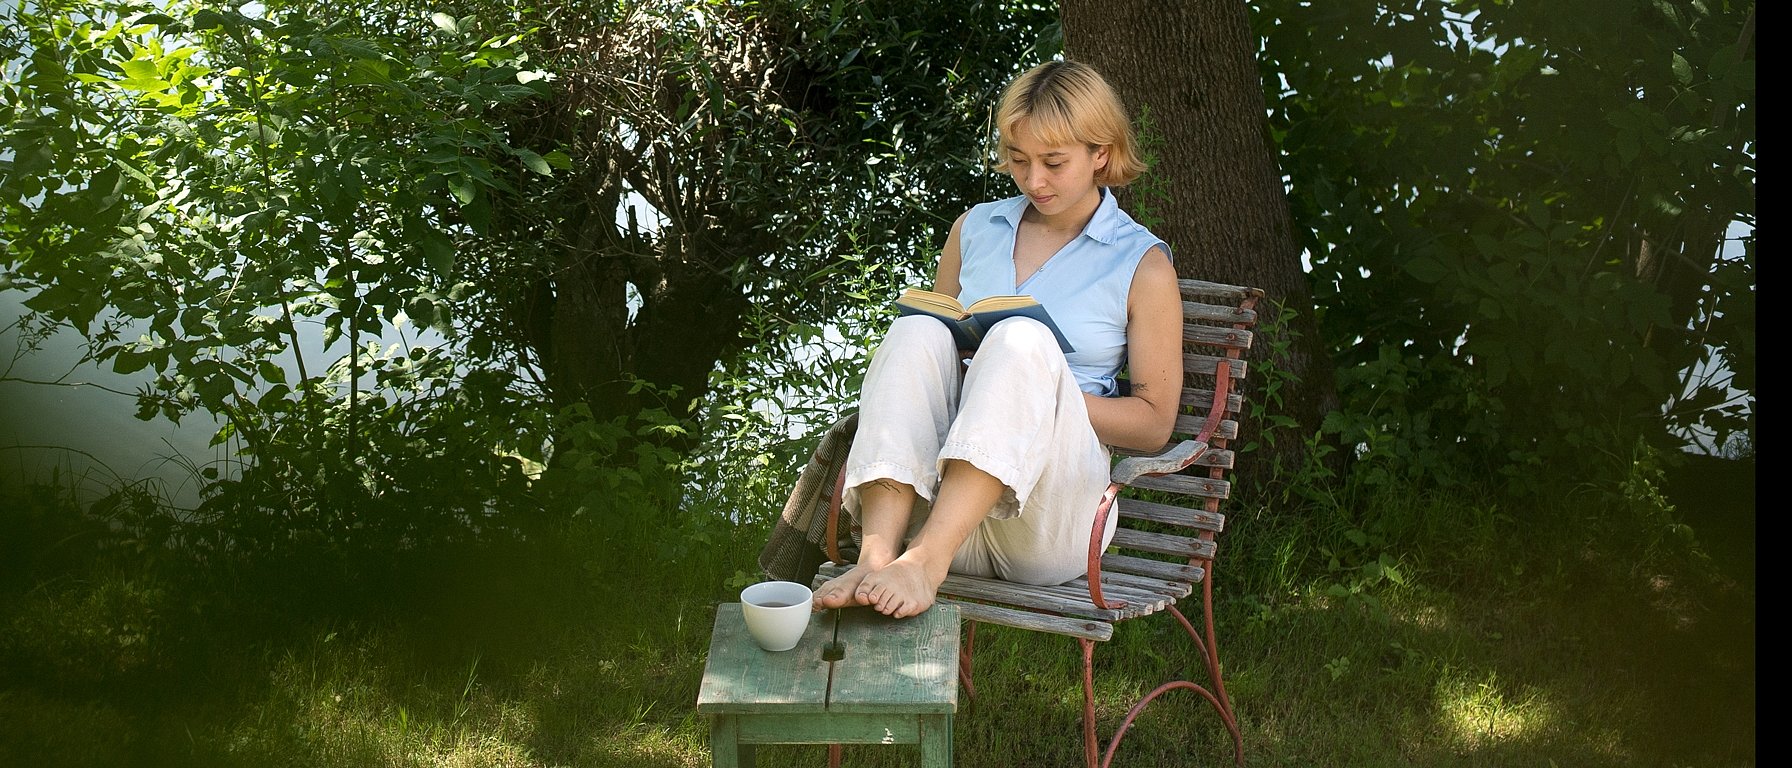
732 163
766 408
753 182
1149 194
1514 214
191 186
203 191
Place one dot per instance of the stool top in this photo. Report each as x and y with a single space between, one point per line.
885 665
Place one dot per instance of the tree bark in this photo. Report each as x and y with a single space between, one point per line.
1226 217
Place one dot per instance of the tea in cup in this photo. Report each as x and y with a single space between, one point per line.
776 612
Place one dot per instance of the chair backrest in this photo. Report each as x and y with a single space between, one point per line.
1218 323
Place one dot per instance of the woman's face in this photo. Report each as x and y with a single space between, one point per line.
1056 178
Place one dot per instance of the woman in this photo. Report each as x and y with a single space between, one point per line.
994 467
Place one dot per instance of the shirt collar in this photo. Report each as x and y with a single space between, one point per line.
1103 226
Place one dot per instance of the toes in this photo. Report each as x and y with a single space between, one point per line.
873 593
918 607
838 593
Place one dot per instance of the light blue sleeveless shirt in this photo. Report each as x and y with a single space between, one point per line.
1084 285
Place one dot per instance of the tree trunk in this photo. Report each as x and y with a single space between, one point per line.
1225 215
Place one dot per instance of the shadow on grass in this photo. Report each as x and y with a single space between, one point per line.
574 653
1529 645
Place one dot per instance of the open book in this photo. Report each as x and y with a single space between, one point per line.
969 324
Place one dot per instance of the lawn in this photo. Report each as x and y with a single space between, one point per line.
1381 630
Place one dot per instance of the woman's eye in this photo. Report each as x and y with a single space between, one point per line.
1053 165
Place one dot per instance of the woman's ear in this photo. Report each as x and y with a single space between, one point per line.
1101 160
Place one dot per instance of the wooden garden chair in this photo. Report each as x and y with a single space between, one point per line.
1133 578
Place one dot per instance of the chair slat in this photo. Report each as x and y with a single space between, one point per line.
1163 543
1216 336
1194 362
1202 399
1132 602
1174 590
1204 487
1056 599
1088 629
1157 569
1138 509
1197 311
1217 290
1053 598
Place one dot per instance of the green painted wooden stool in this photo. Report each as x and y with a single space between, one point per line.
857 677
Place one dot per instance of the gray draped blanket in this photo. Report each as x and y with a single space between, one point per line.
798 543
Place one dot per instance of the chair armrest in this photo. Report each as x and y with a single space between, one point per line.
1175 459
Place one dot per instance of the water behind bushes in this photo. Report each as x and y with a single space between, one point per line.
84 429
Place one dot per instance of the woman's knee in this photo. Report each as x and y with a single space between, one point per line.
1021 334
918 330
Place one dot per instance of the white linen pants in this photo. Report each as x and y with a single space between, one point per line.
1016 414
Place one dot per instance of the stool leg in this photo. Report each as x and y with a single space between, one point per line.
724 744
936 742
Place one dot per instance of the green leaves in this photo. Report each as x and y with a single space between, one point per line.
192 221
1682 70
1426 270
1532 226
534 162
446 23
141 75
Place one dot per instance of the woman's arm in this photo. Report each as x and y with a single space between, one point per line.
1143 419
946 281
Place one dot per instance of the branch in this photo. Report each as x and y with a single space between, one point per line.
4 379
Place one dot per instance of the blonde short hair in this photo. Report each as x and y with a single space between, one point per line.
1068 102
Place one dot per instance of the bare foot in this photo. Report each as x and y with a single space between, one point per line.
843 590
901 589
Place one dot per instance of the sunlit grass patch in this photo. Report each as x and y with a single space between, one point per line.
1425 616
347 698
641 744
1476 711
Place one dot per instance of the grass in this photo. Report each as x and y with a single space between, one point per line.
1382 631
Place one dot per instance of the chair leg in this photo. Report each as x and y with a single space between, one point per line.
1221 703
833 756
1213 665
1132 714
1088 701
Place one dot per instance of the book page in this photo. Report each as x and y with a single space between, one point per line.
995 303
929 301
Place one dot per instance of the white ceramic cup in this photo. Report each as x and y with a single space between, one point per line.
777 612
